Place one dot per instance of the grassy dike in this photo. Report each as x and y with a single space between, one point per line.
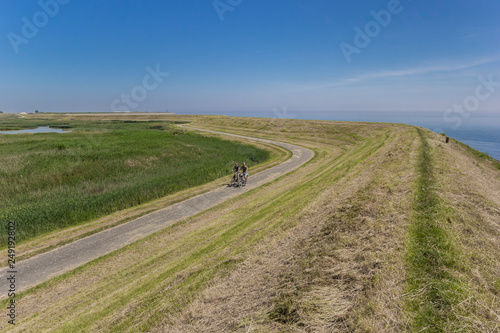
432 258
386 229
184 259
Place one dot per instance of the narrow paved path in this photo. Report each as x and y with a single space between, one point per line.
38 269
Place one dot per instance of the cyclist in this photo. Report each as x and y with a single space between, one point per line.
244 170
236 172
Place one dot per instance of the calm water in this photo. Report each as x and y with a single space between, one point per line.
36 130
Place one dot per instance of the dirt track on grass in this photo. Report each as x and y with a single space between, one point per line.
40 268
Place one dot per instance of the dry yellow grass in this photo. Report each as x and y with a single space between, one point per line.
471 189
321 274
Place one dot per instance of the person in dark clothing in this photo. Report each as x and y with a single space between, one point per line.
236 170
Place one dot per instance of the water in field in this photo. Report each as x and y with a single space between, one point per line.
36 130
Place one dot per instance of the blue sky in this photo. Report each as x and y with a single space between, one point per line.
248 56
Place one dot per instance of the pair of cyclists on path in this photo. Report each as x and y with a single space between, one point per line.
244 171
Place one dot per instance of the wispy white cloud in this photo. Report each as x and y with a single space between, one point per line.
404 72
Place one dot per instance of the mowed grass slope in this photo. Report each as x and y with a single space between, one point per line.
182 260
51 181
386 229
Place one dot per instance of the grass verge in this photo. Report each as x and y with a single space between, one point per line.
433 283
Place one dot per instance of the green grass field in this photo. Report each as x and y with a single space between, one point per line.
50 181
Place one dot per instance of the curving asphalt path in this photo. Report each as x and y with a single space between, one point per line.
35 270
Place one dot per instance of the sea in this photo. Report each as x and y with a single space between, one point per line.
481 131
